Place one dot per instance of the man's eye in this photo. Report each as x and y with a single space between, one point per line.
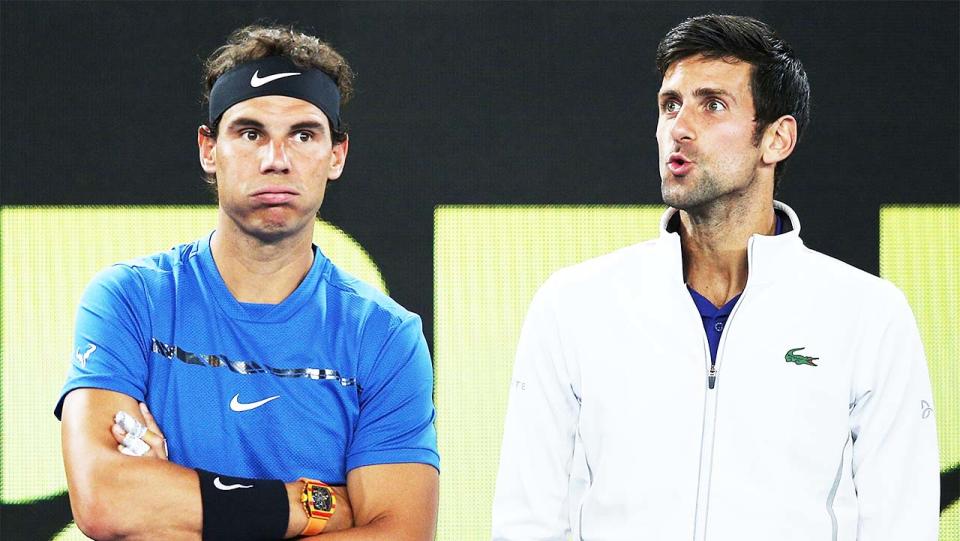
671 107
250 135
716 106
304 136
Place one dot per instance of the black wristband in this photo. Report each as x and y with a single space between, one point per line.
241 509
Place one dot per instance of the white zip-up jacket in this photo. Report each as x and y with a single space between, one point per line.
818 424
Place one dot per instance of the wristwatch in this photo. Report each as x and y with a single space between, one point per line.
319 502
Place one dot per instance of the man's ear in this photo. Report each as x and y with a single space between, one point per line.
338 157
779 140
207 145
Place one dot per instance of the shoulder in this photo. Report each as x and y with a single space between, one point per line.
605 272
361 300
386 338
842 280
141 274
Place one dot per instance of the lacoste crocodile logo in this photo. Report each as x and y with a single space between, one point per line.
792 357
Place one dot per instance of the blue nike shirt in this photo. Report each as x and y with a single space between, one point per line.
335 377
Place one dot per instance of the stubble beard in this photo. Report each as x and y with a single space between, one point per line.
698 195
690 193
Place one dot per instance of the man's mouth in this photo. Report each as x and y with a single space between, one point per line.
679 165
274 195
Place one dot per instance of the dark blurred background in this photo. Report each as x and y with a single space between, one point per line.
535 103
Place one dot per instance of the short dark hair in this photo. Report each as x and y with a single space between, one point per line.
778 82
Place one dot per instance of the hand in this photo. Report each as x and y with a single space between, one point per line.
136 439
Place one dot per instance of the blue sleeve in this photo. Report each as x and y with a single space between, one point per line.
396 403
110 339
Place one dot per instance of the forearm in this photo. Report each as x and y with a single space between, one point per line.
152 499
387 528
389 502
120 497
115 496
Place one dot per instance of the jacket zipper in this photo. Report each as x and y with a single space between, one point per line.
710 415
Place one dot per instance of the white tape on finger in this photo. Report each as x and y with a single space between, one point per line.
129 424
127 451
136 446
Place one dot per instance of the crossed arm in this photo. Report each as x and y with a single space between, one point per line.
114 496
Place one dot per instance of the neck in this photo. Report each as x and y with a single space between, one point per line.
714 246
261 271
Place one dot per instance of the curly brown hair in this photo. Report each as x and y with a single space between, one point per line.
259 41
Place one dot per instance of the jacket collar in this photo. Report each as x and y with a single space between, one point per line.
768 256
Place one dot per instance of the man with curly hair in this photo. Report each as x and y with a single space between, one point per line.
294 399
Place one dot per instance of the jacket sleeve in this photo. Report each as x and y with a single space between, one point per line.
896 467
531 496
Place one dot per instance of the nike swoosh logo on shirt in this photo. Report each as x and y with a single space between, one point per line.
257 81
221 486
236 405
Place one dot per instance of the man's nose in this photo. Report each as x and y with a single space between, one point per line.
683 128
274 159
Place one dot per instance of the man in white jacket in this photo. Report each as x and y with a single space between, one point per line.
722 382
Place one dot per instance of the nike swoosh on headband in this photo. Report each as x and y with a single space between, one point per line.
257 81
221 486
236 405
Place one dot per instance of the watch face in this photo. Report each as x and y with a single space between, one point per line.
321 499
